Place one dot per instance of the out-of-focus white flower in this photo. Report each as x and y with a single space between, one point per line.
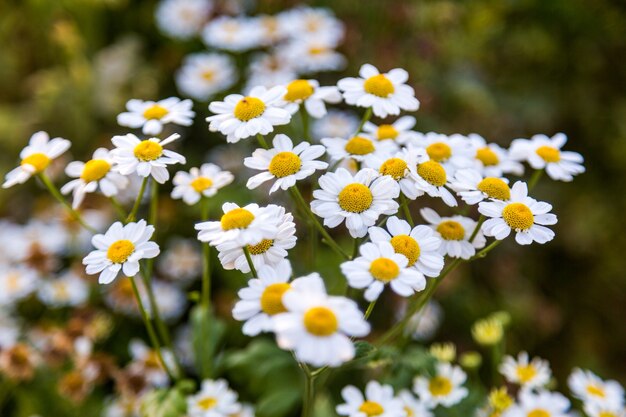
181 261
235 34
17 283
151 116
445 388
182 19
309 94
200 182
203 75
66 290
172 301
9 330
313 55
146 362
455 233
591 389
215 399
474 188
269 70
336 124
379 400
543 403
311 23
423 325
527 373
413 406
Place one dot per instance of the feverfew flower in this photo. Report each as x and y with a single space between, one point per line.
358 199
431 177
67 290
527 373
357 147
181 261
182 19
452 152
120 248
151 116
145 157
387 94
215 399
379 401
309 94
93 174
522 214
336 124
543 403
491 159
455 233
203 75
16 283
397 167
591 389
232 33
36 157
412 406
318 327
378 265
474 188
284 163
604 410
240 117
200 182
313 55
444 388
269 70
399 131
311 23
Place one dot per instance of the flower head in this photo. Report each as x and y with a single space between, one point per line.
533 373
539 404
309 94
151 116
203 75
455 233
215 399
379 400
444 388
590 388
200 182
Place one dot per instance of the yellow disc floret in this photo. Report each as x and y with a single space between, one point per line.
596 390
284 164
379 85
95 170
538 412
451 230
386 132
272 298
359 145
320 321
249 108
261 247
439 386
148 150
495 188
407 246
208 75
394 167
207 403
120 250
433 173
298 90
155 112
525 373
384 269
39 161
371 408
518 216
238 218
487 156
549 154
200 184
355 198
499 399
439 151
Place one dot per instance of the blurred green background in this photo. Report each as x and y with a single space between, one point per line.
501 68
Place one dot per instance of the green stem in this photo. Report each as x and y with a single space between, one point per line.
121 213
481 220
406 209
534 179
250 263
309 395
133 212
57 195
206 257
154 203
486 250
366 117
355 247
262 141
369 310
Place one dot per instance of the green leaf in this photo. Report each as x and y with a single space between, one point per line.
164 403
206 334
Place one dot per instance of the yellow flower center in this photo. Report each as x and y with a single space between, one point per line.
120 250
384 269
359 145
499 399
518 216
208 75
596 390
298 90
249 108
439 151
451 230
538 412
409 411
148 150
201 183
95 170
607 414
355 198
317 50
433 173
394 167
495 188
261 247
207 403
371 408
440 386
320 321
272 298
407 246
386 132
284 164
38 160
549 153
379 85
525 373
155 112
487 156
238 218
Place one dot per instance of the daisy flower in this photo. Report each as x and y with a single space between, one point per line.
269 70
314 55
36 157
145 157
120 248
491 159
181 261
357 147
91 175
397 167
215 399
522 214
604 410
419 244
318 327
398 131
232 33
240 117
247 225
379 400
431 177
16 283
444 388
455 233
311 23
474 188
412 406
200 182
67 290
387 94
172 300
151 116
203 75
452 152
336 124
311 95
544 404
358 199
378 265
542 152
591 389
182 19
284 163
527 373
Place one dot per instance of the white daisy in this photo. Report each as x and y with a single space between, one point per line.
336 124
151 116
591 389
309 94
444 388
379 400
247 225
431 177
145 157
120 248
452 152
203 75
91 175
359 200
145 362
240 117
181 261
67 290
399 131
419 244
455 233
543 403
527 373
491 159
284 163
318 327
396 165
412 406
172 300
473 188
378 265
36 157
182 19
356 147
267 251
269 70
313 55
522 214
311 23
16 283
235 34
215 399
387 94
604 410
200 182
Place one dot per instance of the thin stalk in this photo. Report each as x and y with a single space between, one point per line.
249 259
366 117
309 395
406 209
262 141
485 251
121 213
206 258
57 195
369 310
355 247
152 220
481 220
534 179
133 212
